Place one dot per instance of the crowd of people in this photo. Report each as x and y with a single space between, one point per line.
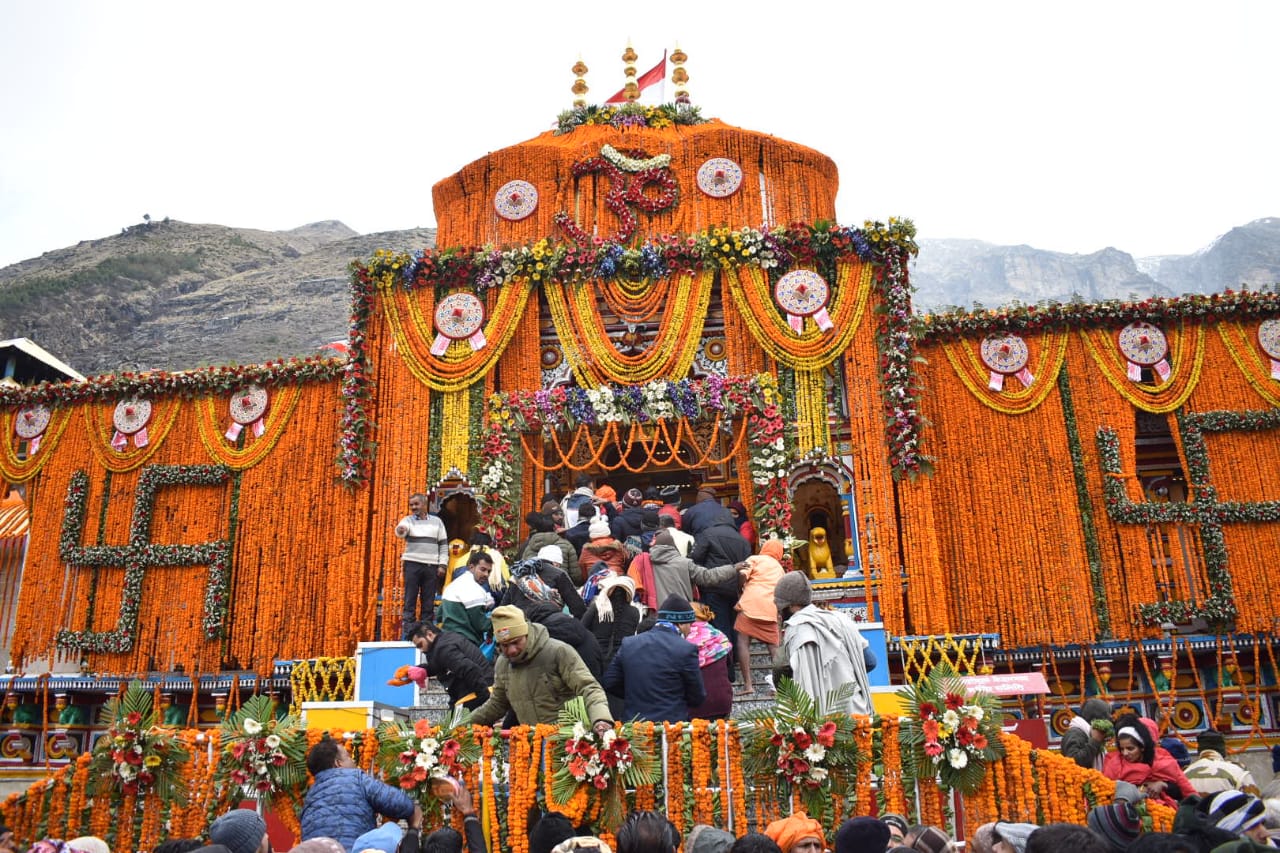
646 609
1218 801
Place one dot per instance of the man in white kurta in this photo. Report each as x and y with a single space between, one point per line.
823 648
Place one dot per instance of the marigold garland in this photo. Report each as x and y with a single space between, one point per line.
594 355
813 349
1051 353
1162 397
17 470
97 419
209 423
1254 365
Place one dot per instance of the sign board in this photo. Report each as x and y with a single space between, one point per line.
1010 684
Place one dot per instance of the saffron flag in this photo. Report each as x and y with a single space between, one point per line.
656 74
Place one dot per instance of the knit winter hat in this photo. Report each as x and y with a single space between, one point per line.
675 609
633 497
708 839
792 590
508 624
891 819
862 835
598 529
239 830
551 554
663 537
1117 824
1236 811
384 839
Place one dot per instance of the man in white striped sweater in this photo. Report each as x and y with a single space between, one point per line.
426 553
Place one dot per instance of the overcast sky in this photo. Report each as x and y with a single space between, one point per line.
1150 127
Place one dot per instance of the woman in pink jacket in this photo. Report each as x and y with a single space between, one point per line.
757 614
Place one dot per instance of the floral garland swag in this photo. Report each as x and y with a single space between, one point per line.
620 411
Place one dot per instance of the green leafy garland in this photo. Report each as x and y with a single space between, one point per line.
804 751
628 115
1093 553
140 554
1204 510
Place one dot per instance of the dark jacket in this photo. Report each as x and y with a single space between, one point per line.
554 577
657 673
1077 744
630 522
568 630
609 635
720 545
343 801
577 536
460 666
703 514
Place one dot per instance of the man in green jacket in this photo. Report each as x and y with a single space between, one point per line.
536 675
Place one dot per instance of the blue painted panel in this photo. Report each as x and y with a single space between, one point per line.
376 663
879 677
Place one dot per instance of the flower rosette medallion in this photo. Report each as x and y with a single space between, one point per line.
1006 355
421 759
801 294
602 766
262 754
516 200
1269 340
130 420
805 751
30 423
949 733
1144 345
248 408
459 317
719 177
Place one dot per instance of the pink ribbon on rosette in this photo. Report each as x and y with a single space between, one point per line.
259 426
1161 367
1275 369
822 317
996 380
441 344
120 441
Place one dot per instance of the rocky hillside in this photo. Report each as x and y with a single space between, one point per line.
964 272
175 295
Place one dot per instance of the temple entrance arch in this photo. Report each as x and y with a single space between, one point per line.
822 498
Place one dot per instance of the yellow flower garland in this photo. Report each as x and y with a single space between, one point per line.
455 432
595 359
17 470
1159 399
209 425
1245 352
974 374
813 349
811 412
460 366
97 419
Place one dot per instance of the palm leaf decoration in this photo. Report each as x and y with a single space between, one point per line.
949 733
261 756
605 765
801 749
136 755
410 756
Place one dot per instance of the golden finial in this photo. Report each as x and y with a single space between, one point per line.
680 77
580 85
631 89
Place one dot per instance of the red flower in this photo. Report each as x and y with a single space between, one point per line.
264 785
134 718
239 777
933 749
802 739
601 782
954 701
776 740
827 734
980 741
578 766
238 749
278 760
930 728
964 737
927 710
